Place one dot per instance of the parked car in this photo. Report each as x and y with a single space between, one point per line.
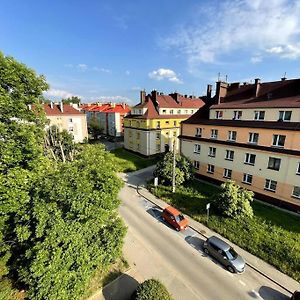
175 218
225 254
296 296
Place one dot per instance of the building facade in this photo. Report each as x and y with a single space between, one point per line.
154 124
109 116
65 116
250 134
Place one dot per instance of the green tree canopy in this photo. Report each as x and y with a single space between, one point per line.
164 169
73 99
234 201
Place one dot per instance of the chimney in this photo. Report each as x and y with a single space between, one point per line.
208 91
283 78
154 95
61 105
221 90
51 105
143 96
257 86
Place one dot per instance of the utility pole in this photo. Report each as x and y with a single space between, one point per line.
174 167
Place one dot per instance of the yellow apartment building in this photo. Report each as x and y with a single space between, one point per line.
250 134
154 124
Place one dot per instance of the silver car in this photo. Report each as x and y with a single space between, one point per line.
225 254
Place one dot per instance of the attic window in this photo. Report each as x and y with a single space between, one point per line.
269 95
164 111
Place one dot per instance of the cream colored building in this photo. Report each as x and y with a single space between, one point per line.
65 116
251 134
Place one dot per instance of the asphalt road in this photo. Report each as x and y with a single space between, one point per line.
156 250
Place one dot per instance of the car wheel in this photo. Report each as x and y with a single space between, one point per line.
206 251
230 269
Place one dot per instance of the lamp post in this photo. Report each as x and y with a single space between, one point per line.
174 167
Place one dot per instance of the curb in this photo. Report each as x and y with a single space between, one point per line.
249 265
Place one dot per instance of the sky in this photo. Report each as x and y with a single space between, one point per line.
108 50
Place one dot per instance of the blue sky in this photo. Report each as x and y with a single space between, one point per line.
109 50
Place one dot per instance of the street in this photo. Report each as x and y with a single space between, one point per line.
156 250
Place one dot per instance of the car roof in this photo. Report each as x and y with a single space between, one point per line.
172 210
219 243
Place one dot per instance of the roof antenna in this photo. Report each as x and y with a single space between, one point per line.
284 77
226 78
219 76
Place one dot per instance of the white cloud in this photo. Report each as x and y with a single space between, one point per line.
82 67
56 93
241 25
127 72
161 74
97 69
256 59
110 99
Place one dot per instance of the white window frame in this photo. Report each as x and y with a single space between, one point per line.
269 183
259 115
70 120
231 134
171 112
237 114
219 114
227 157
226 173
282 115
196 164
198 132
248 160
214 133
275 161
296 195
212 151
197 148
179 111
210 168
246 177
252 136
276 138
298 169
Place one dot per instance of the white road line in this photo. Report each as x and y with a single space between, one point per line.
242 282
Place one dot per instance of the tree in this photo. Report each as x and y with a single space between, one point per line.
164 169
151 289
73 99
234 201
95 129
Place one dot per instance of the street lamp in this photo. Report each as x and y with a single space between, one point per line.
174 167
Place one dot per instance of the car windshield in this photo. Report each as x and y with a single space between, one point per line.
179 218
231 254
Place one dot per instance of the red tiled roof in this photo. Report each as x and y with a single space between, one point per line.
119 108
106 107
67 110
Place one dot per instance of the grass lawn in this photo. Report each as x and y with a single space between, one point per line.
272 234
128 162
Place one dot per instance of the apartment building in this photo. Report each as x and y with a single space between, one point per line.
109 116
154 124
250 133
65 116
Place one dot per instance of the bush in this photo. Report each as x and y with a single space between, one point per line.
234 201
151 289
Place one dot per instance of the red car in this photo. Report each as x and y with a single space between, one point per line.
175 218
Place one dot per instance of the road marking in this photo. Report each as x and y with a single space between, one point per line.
242 282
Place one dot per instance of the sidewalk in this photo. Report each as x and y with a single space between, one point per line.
261 266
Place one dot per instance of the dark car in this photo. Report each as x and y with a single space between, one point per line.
225 254
296 296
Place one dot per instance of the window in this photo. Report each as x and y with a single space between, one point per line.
231 136
158 124
178 111
174 133
70 120
186 111
259 115
130 133
192 111
214 133
71 129
171 111
175 123
196 164
298 169
247 178
167 122
285 115
157 135
219 114
164 111
198 132
270 185
237 114
197 148
212 152
210 168
227 173
250 159
138 135
274 163
253 137
137 124
158 147
278 140
229 154
296 192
